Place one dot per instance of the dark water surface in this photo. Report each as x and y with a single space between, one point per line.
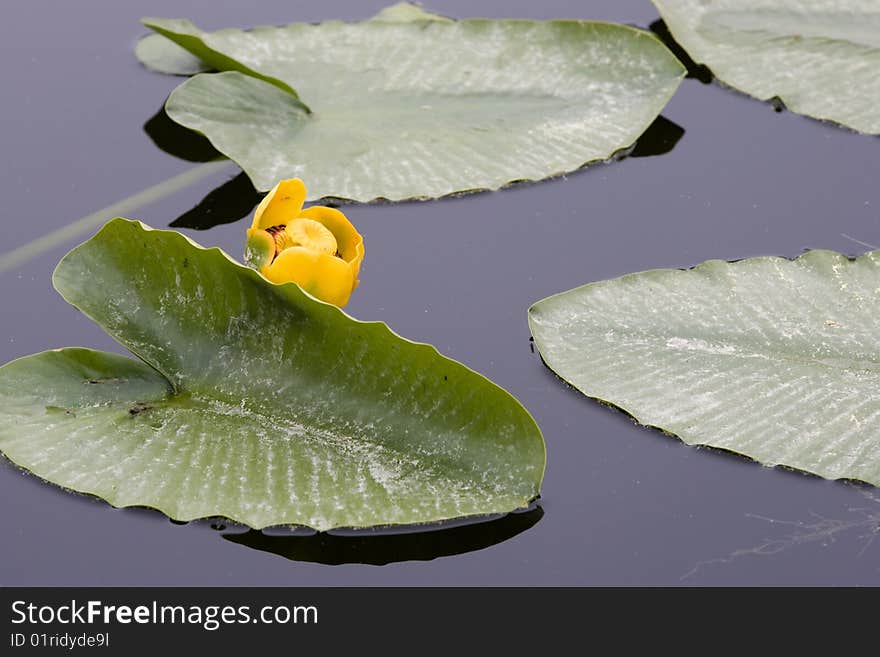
621 504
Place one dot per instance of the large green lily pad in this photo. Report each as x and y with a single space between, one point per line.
255 401
409 105
772 358
820 57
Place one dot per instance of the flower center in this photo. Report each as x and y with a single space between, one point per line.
312 235
306 233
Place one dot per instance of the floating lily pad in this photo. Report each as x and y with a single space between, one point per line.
820 57
409 105
163 56
772 358
255 401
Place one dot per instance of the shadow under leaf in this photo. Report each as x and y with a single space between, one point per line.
375 548
660 138
229 202
697 71
178 141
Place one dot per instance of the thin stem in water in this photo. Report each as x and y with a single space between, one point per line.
40 245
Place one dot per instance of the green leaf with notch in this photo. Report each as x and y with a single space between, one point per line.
411 105
820 57
771 358
255 401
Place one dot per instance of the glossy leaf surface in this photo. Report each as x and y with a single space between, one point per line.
256 402
772 358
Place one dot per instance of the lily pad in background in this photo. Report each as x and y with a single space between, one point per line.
414 106
158 54
771 358
236 198
256 402
820 57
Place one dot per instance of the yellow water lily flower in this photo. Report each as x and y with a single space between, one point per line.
317 248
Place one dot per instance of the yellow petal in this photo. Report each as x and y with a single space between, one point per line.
260 248
323 276
281 205
349 242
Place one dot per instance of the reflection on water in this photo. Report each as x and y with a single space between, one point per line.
697 71
229 202
660 138
178 141
863 522
375 547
